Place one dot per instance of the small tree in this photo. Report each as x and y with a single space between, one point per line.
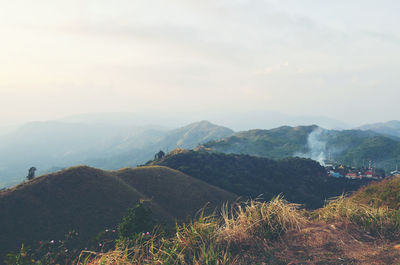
31 173
137 220
159 155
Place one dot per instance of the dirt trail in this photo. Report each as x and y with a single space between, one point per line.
321 243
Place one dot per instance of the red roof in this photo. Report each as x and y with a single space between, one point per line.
351 174
369 173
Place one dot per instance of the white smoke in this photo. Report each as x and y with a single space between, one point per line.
316 147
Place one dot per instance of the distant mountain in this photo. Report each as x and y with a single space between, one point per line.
242 120
192 135
188 136
237 120
350 147
90 200
387 128
300 180
56 144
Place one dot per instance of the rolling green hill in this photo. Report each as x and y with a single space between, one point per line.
89 200
300 180
350 147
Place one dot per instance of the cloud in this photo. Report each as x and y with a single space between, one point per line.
261 53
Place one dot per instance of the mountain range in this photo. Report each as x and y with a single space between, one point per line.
113 141
53 145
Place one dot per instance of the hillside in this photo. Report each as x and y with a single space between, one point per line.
89 200
275 143
385 193
350 147
109 146
387 128
299 180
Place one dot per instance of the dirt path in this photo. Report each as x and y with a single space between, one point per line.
321 243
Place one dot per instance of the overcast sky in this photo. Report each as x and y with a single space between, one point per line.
335 58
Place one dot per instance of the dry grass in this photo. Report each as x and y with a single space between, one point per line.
274 232
211 239
377 220
266 220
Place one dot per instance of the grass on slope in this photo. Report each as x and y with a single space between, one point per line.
212 239
380 194
164 185
274 232
89 200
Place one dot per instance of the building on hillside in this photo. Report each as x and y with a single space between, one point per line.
352 175
369 174
335 174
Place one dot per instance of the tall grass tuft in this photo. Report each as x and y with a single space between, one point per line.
212 239
380 221
259 220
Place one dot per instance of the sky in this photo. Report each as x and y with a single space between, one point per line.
333 58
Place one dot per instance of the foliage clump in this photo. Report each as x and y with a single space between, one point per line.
137 220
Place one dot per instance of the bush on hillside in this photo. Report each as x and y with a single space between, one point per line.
137 220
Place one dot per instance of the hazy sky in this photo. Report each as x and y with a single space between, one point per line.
336 58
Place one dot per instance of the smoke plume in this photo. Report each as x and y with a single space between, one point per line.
316 147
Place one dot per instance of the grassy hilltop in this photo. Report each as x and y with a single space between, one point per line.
89 200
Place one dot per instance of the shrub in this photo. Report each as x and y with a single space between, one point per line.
137 220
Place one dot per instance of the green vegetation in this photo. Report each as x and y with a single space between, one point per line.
300 180
274 144
137 220
350 147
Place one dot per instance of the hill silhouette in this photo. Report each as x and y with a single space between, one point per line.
300 180
89 200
